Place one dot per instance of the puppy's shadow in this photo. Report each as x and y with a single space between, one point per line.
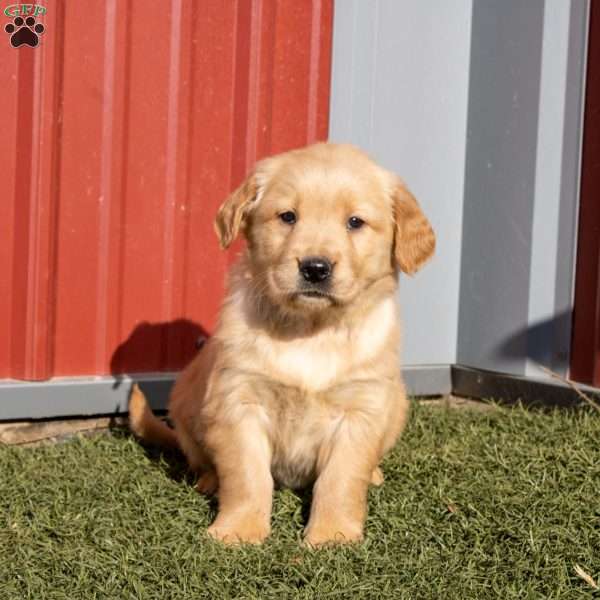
306 497
292 505
169 461
156 347
174 465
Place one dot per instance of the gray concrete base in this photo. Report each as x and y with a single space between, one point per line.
511 389
79 396
431 380
84 396
87 396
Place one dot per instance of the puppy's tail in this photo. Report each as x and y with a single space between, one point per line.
145 424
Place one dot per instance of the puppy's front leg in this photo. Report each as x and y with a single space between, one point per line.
242 456
339 506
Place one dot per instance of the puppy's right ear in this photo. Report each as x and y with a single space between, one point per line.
231 216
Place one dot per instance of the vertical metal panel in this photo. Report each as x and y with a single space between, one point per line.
400 91
521 185
408 79
31 80
506 49
585 358
122 133
556 203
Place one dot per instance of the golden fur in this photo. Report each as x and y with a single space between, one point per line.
297 388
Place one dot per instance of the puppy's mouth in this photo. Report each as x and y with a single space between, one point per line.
315 296
303 295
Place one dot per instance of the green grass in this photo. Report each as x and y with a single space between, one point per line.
476 504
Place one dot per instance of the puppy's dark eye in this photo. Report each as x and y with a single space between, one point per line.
355 223
288 217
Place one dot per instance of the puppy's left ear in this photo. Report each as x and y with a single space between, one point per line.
232 214
414 239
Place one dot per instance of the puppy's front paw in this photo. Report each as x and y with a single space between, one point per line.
240 531
331 534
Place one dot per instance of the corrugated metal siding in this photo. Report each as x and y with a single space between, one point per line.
122 133
585 359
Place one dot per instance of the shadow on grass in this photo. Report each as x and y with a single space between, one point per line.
171 462
174 465
305 496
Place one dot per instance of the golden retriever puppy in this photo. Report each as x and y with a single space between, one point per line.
300 384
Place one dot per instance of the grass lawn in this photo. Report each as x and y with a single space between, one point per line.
499 503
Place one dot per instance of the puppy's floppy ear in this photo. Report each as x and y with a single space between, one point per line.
232 213
414 239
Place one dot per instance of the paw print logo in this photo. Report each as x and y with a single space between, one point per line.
24 32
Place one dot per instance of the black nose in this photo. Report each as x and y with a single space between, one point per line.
315 269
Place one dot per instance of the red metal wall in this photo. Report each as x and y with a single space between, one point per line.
585 347
121 134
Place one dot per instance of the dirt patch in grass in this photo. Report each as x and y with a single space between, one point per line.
31 433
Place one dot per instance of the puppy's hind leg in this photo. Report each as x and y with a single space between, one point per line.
198 461
208 482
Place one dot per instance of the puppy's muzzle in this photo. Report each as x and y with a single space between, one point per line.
315 269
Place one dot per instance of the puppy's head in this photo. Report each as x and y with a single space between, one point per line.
323 224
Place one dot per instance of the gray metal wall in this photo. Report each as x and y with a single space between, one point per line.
477 105
400 90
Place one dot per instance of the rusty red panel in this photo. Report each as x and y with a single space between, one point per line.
585 352
122 133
